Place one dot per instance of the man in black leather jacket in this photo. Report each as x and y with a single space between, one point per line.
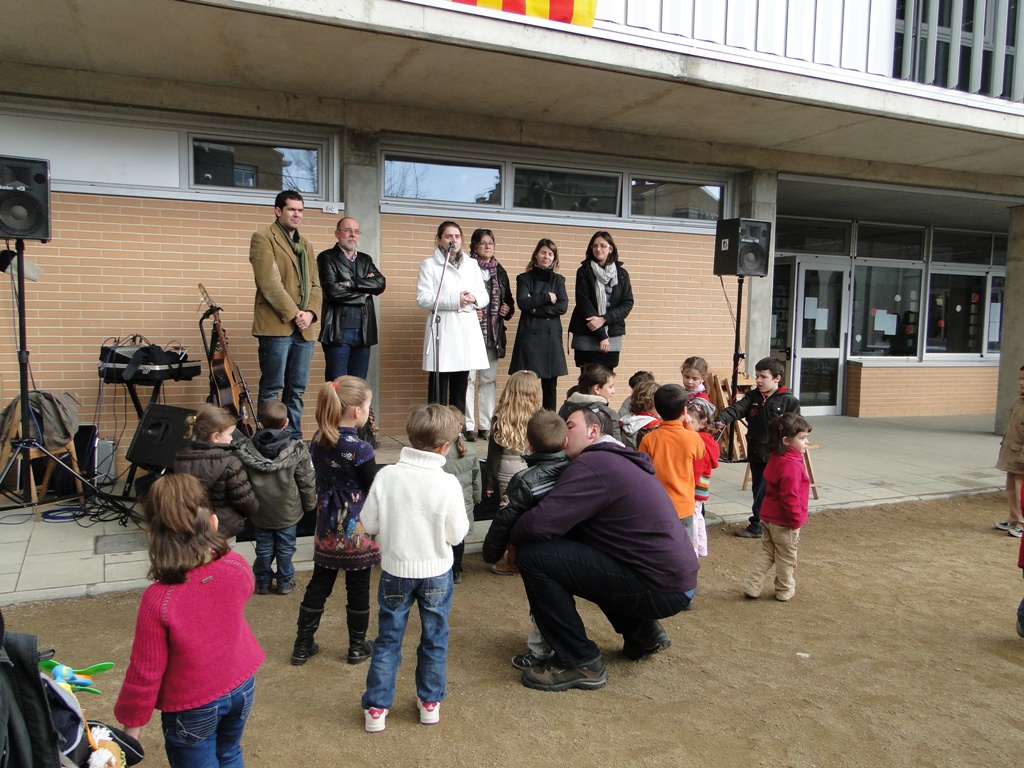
348 322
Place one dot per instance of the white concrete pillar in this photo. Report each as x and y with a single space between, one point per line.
758 195
1011 350
360 189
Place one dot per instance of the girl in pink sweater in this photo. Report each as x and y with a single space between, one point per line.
784 510
194 654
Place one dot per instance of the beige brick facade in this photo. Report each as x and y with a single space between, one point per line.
919 390
117 266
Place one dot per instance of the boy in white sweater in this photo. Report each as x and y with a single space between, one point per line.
417 512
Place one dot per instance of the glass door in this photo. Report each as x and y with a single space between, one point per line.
820 331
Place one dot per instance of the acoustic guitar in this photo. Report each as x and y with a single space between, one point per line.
227 385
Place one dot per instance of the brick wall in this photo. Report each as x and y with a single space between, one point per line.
919 390
120 265
680 310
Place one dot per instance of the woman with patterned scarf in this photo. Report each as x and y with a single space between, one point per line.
604 298
492 318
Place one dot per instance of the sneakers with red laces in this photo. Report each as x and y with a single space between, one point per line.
374 719
430 711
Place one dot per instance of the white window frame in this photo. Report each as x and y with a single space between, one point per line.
227 130
508 158
965 270
291 142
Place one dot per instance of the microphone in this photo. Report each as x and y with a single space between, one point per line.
452 247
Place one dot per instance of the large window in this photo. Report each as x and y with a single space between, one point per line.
956 312
961 247
566 191
808 236
516 183
886 311
674 200
881 242
217 163
419 179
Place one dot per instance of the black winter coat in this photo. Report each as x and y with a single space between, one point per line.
619 305
335 269
221 472
759 412
525 490
538 345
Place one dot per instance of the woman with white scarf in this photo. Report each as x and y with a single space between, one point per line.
604 298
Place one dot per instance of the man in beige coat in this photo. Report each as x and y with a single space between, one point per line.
287 288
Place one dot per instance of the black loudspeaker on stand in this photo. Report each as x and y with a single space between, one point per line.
25 215
24 198
742 247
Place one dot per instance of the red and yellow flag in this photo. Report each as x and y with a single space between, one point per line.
567 11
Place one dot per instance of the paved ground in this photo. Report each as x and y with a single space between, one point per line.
860 462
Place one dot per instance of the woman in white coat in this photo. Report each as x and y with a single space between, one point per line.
458 344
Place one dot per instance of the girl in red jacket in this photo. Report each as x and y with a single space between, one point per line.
194 654
784 510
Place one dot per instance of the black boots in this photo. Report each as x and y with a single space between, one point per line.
358 649
305 646
309 621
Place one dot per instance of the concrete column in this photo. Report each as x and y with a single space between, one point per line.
758 195
1011 351
360 190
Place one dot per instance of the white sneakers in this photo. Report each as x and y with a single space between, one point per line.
374 717
430 711
1010 528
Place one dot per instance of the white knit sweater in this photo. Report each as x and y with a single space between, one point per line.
418 513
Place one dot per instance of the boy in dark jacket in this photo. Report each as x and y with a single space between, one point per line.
760 407
281 475
545 437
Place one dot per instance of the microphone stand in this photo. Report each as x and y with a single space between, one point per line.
435 329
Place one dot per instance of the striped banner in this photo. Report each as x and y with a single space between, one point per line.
567 11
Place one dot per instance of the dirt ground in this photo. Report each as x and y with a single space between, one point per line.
898 649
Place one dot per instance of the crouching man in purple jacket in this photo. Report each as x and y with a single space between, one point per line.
609 533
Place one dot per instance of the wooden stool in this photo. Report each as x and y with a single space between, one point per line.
807 463
37 491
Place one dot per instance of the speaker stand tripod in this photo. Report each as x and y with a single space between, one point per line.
737 357
26 446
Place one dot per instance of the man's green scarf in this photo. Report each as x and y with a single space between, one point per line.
305 284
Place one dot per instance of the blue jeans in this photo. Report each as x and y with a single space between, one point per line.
349 358
270 545
557 571
395 597
284 372
209 736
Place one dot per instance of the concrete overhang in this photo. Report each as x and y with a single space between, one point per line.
462 66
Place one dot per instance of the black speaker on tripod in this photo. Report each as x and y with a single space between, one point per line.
24 198
741 247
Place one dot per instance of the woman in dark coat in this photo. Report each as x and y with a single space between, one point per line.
540 293
604 298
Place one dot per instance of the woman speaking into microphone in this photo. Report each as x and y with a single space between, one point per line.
450 288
